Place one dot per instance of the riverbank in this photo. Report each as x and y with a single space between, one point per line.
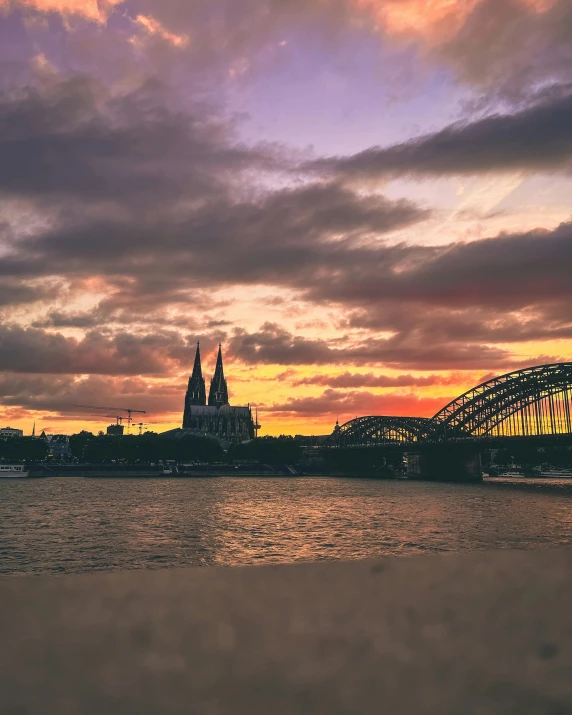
115 471
148 474
482 633
112 471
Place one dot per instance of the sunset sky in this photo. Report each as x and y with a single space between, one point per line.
368 202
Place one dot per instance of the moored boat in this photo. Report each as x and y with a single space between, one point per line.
13 471
556 473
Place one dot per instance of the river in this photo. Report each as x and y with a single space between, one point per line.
69 525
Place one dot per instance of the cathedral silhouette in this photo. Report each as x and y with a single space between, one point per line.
215 418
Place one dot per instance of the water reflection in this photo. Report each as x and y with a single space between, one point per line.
77 525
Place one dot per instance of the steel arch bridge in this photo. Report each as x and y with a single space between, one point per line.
372 431
531 402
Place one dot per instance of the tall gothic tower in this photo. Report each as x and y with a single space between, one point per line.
218 393
196 392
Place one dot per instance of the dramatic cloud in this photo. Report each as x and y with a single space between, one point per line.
154 27
510 272
15 292
316 239
36 351
507 272
505 46
434 20
353 380
76 139
293 237
141 209
418 324
60 394
95 10
512 47
320 240
538 138
351 404
275 345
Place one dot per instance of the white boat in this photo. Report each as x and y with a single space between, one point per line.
13 471
556 473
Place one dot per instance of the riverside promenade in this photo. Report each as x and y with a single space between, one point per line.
474 634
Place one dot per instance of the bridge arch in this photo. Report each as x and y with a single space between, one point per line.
527 402
379 430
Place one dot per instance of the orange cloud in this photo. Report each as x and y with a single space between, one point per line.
433 20
95 10
154 27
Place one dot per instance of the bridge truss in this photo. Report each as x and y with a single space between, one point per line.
535 401
373 431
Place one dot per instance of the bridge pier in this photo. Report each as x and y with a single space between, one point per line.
445 463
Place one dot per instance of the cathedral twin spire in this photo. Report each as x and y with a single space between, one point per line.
196 393
218 393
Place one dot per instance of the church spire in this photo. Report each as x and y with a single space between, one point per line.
218 393
196 393
197 369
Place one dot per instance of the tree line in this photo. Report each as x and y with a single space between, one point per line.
151 447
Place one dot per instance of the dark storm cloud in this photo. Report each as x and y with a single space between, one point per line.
31 350
60 394
14 292
37 351
274 345
512 288
62 142
262 245
284 237
551 321
75 139
148 302
321 240
59 319
538 138
511 271
510 48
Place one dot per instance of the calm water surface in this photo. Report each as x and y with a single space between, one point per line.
79 525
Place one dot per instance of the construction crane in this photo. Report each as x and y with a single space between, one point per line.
115 409
111 417
257 424
145 424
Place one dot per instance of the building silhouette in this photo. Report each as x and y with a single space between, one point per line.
10 432
58 444
215 418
